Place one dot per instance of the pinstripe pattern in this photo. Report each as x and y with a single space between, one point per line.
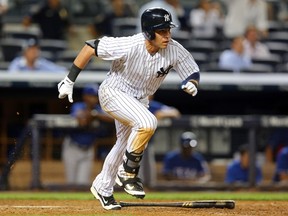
134 75
134 70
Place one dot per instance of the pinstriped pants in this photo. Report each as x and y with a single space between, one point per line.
131 118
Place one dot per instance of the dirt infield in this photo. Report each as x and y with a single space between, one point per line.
92 207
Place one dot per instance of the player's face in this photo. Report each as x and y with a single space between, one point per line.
162 38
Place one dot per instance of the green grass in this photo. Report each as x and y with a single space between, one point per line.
261 196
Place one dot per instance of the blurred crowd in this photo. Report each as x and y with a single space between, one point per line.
222 35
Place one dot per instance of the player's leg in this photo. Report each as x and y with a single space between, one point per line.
102 187
131 111
70 160
105 180
84 167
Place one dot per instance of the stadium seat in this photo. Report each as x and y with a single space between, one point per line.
64 64
275 26
207 47
279 36
271 61
183 37
11 47
214 56
47 55
258 68
200 58
67 55
282 68
279 48
215 68
55 47
217 37
225 44
4 66
52 45
21 35
124 26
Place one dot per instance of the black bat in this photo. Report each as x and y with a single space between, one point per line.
230 204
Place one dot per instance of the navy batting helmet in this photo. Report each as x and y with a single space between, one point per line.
188 139
154 19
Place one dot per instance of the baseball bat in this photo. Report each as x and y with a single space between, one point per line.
230 204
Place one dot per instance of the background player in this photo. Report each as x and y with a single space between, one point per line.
186 164
78 150
140 63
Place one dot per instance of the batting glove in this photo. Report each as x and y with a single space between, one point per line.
65 88
190 88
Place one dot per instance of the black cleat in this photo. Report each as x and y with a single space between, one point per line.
107 203
132 186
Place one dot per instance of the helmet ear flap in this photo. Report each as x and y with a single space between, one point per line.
149 35
152 35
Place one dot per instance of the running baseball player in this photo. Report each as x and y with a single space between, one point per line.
140 63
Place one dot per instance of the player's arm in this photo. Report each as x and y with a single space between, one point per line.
190 84
65 87
205 174
169 112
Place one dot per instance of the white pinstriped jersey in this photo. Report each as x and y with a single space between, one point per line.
138 73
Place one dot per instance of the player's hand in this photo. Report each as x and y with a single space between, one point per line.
65 88
190 88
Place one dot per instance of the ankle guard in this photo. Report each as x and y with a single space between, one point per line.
132 162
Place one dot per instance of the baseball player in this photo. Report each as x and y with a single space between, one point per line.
140 63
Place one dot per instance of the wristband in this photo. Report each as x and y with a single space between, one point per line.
74 72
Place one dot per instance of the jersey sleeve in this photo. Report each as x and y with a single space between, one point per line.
112 48
186 65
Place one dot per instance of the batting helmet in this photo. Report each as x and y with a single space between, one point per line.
154 19
188 139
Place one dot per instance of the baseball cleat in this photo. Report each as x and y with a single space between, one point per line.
132 186
107 203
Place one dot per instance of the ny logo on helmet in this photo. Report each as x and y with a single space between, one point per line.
166 17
